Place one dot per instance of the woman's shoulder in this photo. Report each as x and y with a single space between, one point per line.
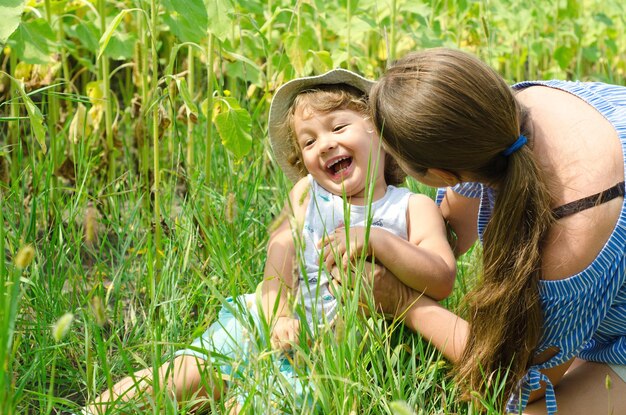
605 98
573 85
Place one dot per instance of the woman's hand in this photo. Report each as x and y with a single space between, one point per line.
390 296
420 313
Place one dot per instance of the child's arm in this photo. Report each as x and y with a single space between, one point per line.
279 269
424 262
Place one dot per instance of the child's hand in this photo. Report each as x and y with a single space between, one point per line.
285 333
335 246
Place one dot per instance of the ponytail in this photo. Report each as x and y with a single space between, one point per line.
504 310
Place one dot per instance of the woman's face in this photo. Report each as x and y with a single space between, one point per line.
430 177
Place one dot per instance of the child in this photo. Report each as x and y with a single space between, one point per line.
324 140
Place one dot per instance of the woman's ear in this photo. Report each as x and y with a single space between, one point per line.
448 177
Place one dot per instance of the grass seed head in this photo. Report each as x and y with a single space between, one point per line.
278 221
90 225
215 280
231 208
62 326
400 408
79 127
304 194
164 121
340 329
24 256
476 395
99 311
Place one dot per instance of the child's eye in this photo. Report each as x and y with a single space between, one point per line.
307 142
339 127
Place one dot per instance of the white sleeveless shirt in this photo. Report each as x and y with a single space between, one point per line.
324 214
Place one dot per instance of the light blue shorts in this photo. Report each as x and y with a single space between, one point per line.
237 346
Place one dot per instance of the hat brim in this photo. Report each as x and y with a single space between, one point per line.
283 99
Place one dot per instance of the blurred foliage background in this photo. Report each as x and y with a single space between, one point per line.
136 175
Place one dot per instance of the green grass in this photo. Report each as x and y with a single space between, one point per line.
142 280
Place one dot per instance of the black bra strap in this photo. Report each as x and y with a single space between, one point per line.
589 201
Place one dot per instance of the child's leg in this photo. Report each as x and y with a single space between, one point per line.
185 378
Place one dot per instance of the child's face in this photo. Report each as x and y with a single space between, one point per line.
337 147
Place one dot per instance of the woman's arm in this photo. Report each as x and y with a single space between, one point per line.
420 313
444 329
461 213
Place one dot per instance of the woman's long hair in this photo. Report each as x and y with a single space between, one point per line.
446 109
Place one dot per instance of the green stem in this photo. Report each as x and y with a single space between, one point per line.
53 117
209 131
14 125
108 115
65 67
298 19
190 84
154 12
270 17
51 388
48 12
6 288
142 61
102 356
210 90
392 32
348 34
89 360
10 296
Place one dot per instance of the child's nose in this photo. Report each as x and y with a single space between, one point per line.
328 143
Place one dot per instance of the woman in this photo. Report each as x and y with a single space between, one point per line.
536 172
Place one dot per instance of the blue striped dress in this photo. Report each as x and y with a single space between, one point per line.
585 314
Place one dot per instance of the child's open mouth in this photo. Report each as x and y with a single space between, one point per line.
339 166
